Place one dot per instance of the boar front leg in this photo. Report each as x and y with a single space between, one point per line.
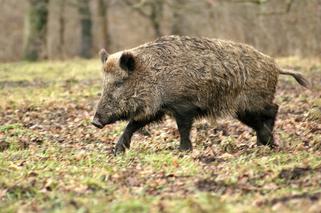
125 139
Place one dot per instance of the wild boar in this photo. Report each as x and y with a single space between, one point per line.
189 78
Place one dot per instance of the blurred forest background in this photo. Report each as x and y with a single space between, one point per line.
53 160
61 29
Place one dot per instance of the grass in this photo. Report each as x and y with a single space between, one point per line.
53 160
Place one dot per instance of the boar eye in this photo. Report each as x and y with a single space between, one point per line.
119 83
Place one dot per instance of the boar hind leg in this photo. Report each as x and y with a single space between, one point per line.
133 126
184 125
262 122
265 134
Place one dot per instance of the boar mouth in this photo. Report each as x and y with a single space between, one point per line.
110 120
114 118
97 124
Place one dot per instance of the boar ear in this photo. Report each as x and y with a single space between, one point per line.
103 55
127 62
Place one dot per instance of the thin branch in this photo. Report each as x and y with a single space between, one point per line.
258 2
138 7
289 5
287 10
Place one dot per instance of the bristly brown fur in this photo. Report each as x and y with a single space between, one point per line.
190 77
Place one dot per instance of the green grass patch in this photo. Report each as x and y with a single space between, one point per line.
53 160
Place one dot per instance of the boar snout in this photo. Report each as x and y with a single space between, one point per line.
96 122
100 121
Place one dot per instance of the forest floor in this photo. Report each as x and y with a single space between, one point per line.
53 160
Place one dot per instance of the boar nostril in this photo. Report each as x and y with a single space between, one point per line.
96 123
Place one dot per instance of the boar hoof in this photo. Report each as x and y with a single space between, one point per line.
119 149
270 144
185 148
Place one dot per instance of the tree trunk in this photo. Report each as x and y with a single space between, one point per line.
102 12
156 16
36 28
178 17
61 29
85 25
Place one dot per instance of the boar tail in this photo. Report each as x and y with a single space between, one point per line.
298 77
